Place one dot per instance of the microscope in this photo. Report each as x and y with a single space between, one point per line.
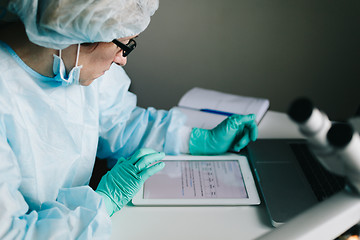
337 147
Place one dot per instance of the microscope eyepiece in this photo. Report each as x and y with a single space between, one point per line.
340 134
300 110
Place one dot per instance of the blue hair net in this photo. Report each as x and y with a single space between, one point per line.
59 23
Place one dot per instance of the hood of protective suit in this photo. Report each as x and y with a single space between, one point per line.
58 24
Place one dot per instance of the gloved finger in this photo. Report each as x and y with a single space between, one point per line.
254 132
238 122
253 129
149 159
230 126
140 153
120 160
242 142
240 119
145 174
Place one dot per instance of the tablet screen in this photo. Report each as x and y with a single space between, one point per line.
200 179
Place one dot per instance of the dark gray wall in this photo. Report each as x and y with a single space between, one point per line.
278 50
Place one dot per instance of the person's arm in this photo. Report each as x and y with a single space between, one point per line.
76 213
124 127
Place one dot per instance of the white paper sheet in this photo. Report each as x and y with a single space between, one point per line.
196 180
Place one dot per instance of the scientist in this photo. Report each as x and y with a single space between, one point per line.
64 100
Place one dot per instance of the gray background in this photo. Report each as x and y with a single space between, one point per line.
279 50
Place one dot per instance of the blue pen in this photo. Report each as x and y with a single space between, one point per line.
216 112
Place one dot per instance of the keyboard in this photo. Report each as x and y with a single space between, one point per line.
323 183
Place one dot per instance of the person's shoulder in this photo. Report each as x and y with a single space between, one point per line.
7 74
5 62
5 56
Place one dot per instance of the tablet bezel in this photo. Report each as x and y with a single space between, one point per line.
253 196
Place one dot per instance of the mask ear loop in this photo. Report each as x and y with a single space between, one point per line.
77 55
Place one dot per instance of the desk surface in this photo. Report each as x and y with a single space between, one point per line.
228 222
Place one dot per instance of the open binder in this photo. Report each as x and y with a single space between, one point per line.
206 108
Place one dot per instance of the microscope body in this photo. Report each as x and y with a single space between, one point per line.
337 146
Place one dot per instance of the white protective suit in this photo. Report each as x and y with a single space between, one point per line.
49 138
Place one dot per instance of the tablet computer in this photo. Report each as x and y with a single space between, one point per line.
200 180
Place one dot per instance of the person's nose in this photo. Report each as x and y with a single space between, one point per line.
120 59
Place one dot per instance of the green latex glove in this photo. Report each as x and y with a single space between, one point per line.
125 179
234 133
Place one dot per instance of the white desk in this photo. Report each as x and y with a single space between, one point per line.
211 223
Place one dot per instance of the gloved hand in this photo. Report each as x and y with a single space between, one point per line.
234 133
124 180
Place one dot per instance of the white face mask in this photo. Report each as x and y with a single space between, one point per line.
60 71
